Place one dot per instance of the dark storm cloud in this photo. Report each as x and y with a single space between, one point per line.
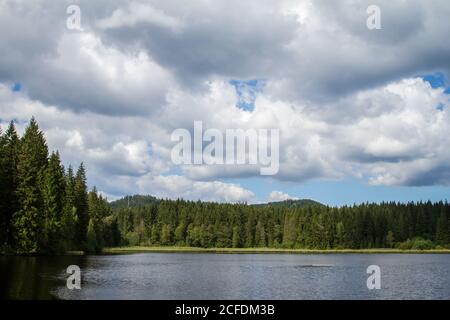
233 39
325 58
329 55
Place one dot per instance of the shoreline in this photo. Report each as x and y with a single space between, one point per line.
128 250
174 249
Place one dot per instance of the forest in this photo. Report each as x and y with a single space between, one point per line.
199 224
48 209
44 208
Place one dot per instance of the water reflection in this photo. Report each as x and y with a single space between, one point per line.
226 276
34 277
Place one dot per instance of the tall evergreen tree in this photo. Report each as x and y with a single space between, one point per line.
98 211
81 205
442 229
9 159
91 238
4 220
69 219
54 197
29 220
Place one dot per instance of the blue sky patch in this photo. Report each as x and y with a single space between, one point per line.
246 91
437 80
344 192
16 87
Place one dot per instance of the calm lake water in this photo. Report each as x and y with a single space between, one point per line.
227 276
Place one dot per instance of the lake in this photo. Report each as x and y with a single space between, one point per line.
227 276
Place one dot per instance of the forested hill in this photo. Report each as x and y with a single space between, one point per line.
299 203
136 201
140 201
301 224
222 225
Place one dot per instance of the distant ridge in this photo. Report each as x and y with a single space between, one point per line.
139 201
136 201
299 203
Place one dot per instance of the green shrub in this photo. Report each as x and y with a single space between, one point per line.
132 238
417 243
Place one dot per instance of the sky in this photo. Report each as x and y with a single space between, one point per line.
363 114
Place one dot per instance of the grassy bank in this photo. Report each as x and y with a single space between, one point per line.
124 250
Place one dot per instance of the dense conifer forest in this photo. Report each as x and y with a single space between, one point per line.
47 209
199 224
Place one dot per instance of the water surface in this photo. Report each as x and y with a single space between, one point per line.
227 276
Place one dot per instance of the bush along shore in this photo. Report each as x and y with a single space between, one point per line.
169 249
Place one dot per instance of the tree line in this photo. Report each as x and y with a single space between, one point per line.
47 209
198 224
44 208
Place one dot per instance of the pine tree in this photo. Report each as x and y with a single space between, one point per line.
54 197
4 220
442 229
289 231
91 238
69 219
166 235
81 205
260 235
98 209
340 235
9 201
180 234
390 238
69 189
29 220
236 240
154 238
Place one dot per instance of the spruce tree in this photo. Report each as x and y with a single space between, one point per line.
4 221
442 229
98 209
81 205
180 234
9 158
54 197
29 220
69 217
91 238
